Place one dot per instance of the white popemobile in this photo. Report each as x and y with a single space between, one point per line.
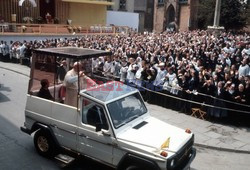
111 124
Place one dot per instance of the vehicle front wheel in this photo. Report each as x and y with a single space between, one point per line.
44 144
133 167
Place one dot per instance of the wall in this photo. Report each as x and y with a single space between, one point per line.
115 7
8 7
87 14
140 5
184 18
62 11
159 19
194 4
123 19
130 5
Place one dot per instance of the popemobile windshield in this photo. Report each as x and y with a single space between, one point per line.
70 112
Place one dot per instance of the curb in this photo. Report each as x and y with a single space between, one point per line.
14 71
221 149
195 144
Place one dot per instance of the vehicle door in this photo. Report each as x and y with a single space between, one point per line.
63 124
95 136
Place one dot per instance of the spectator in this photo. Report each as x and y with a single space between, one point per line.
161 74
219 112
200 60
1 51
240 95
5 52
107 67
244 68
61 71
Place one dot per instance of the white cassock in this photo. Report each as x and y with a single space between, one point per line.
71 84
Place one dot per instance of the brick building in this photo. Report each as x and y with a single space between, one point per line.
181 13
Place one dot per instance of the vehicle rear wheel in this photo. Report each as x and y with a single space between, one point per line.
44 144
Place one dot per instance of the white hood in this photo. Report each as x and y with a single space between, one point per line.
152 135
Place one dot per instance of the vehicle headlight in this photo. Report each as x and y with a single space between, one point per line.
172 163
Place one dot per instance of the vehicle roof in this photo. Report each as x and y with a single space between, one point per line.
109 91
72 52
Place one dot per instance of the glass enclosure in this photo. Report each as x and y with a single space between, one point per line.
126 109
53 69
43 67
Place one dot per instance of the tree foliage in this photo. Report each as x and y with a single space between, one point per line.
233 14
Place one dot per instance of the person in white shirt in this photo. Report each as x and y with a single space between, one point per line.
138 77
161 74
11 50
123 70
132 68
1 53
115 67
94 65
170 78
21 49
5 52
246 50
107 67
244 68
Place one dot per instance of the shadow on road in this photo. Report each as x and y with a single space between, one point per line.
83 163
3 88
16 146
237 120
3 98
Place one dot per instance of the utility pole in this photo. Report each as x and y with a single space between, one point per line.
217 13
216 27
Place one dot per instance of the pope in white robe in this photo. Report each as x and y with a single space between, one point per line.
71 84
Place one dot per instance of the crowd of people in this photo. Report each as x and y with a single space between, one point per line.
195 62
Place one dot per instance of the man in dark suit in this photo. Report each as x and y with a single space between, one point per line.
61 71
44 91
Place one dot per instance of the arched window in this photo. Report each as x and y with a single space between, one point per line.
160 2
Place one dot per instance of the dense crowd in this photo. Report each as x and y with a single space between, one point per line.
194 62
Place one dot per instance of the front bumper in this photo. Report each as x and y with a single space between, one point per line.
184 164
193 154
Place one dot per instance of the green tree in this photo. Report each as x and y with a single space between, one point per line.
233 14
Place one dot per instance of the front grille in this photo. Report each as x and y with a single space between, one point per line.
182 156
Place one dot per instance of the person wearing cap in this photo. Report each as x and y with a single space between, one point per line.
71 83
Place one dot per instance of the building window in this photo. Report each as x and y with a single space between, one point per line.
160 2
183 1
122 5
109 7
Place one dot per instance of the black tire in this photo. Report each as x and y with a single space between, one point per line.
132 168
44 144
